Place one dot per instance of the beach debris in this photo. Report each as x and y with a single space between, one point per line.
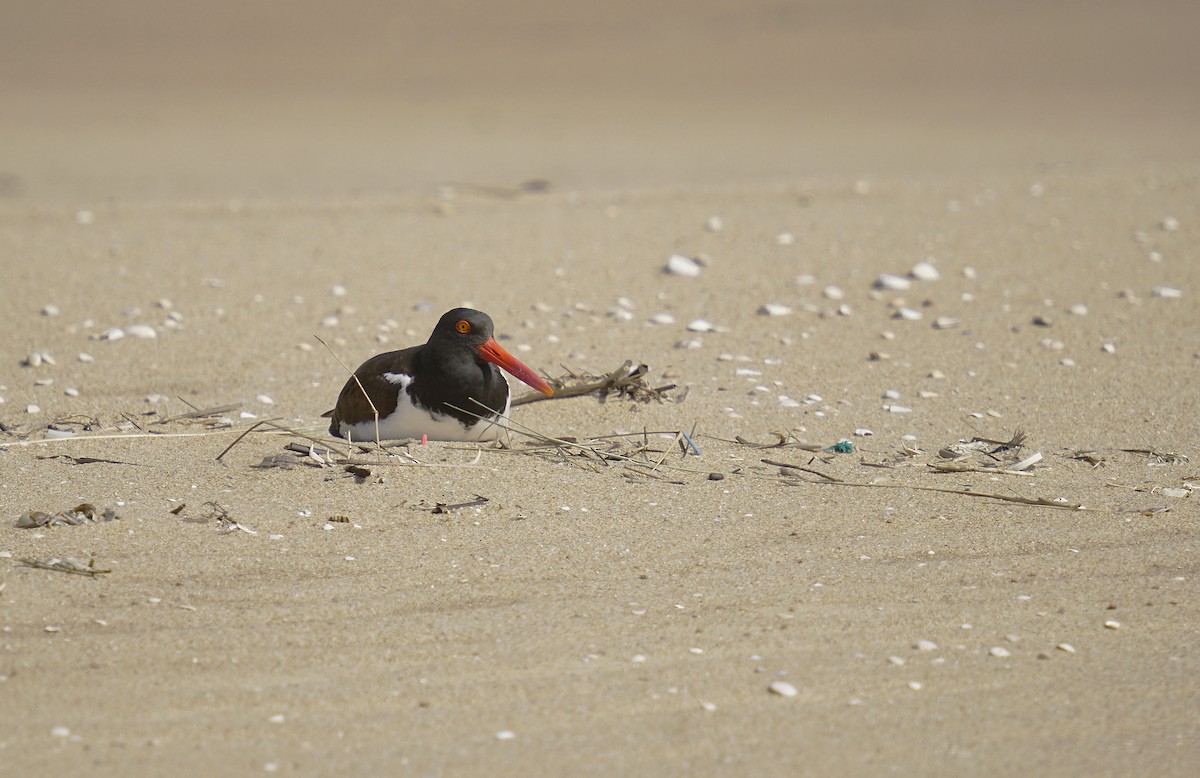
679 265
1166 292
84 513
782 688
627 381
925 271
442 507
925 645
714 224
1066 648
999 652
37 359
143 331
64 565
226 524
1111 624
662 318
774 309
1169 224
946 323
701 325
892 282
832 292
785 239
907 314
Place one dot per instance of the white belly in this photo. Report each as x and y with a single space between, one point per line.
411 421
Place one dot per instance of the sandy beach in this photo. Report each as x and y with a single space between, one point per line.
958 239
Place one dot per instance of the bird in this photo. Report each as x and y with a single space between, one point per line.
449 388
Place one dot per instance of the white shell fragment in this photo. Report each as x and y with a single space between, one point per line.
774 309
1027 462
946 323
999 651
144 331
924 271
701 325
785 239
1066 648
782 688
1166 292
894 282
714 224
662 318
925 645
50 309
908 314
679 265
1170 224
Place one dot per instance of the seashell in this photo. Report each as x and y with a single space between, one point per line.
893 282
924 271
1166 292
143 331
774 309
782 688
679 265
662 318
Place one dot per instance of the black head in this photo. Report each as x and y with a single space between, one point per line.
463 326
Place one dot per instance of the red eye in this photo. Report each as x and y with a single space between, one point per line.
463 326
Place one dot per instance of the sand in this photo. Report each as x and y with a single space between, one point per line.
244 180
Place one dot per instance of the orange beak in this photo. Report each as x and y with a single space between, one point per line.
491 351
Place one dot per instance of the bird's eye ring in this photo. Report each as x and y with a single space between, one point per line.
463 326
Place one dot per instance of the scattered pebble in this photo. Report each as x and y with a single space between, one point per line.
915 686
832 292
1109 347
898 661
1078 309
1170 224
925 645
86 357
785 239
924 271
714 224
85 217
1110 624
1066 647
782 688
774 309
337 290
999 651
679 265
505 734
60 732
32 409
50 309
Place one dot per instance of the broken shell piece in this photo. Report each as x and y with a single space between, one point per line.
774 309
112 333
662 318
908 314
946 323
1027 462
679 265
144 331
701 325
893 282
924 271
782 688
1166 292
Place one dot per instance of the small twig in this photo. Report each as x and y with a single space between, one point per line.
201 413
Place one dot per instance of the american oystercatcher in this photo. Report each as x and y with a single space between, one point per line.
434 390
